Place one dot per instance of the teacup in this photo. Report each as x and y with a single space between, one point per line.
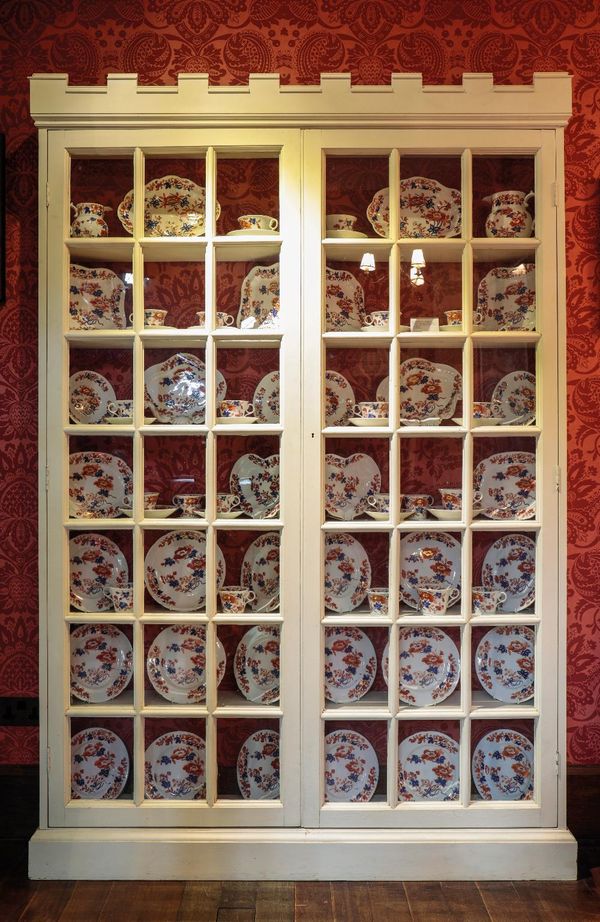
372 409
121 597
417 504
341 222
378 601
258 222
482 409
378 319
227 502
235 598
236 408
201 315
223 319
153 317
486 601
151 499
451 498
379 502
120 407
189 503
454 318
434 600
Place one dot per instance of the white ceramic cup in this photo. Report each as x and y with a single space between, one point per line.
372 409
450 498
226 502
434 600
258 222
378 319
235 598
379 502
236 409
121 597
223 319
378 601
486 601
189 503
120 407
151 499
417 504
340 222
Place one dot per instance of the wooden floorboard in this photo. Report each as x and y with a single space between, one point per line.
142 901
274 901
47 902
200 901
426 901
86 901
388 901
464 901
313 902
573 900
351 902
504 904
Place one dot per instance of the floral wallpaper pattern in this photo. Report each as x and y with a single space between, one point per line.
299 39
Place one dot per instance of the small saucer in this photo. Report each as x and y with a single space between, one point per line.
451 328
378 516
403 328
486 421
446 515
236 420
160 512
126 510
432 421
458 420
348 234
148 420
372 328
163 327
234 514
358 421
119 420
252 232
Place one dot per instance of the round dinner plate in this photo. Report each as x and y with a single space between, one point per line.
347 572
99 764
175 570
502 766
339 399
350 664
505 663
256 664
260 571
89 396
176 663
95 563
351 767
428 767
99 485
101 662
258 766
429 665
266 398
175 767
509 566
428 558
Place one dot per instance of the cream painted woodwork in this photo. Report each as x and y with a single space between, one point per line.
301 835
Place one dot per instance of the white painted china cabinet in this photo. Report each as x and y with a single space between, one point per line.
352 412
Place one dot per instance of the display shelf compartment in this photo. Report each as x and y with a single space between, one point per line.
483 705
357 432
108 709
99 429
248 429
115 249
163 336
155 706
409 616
338 525
436 431
242 249
174 249
506 431
87 617
232 704
502 248
242 524
248 616
120 524
519 617
168 429
174 523
166 617
247 339
101 339
365 340
357 618
495 338
481 524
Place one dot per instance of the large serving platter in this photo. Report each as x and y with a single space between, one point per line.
344 302
506 482
173 207
428 389
349 482
96 299
255 481
259 298
506 298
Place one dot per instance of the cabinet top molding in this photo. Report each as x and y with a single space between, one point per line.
476 102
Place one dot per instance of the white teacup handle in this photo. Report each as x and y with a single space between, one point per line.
529 196
249 410
113 408
273 605
131 318
372 500
177 501
233 502
273 223
251 597
502 597
228 320
453 595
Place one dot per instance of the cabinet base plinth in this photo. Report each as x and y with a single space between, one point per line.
302 854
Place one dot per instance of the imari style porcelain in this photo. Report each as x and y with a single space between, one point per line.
506 298
175 570
378 506
506 484
371 413
383 389
377 320
227 504
416 504
347 573
428 390
513 399
435 601
175 767
154 317
123 409
99 484
351 767
379 599
344 302
429 666
95 562
339 399
259 297
96 299
378 212
428 209
258 766
428 767
173 207
260 571
176 663
234 599
266 398
176 389
222 320
502 766
258 222
509 216
232 410
427 558
509 566
340 222
89 396
350 664
99 764
88 219
505 665
101 662
121 597
349 482
450 498
255 481
256 664
486 601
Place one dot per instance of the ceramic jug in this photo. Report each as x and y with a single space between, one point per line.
509 216
89 220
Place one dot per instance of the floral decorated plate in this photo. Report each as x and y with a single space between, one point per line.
173 207
175 767
89 396
256 664
99 484
349 482
502 766
260 571
96 299
99 765
176 389
509 566
259 297
513 399
428 558
506 482
258 766
428 209
101 662
506 298
95 563
350 664
347 573
344 302
429 665
428 767
255 481
351 767
504 661
339 399
428 390
175 570
266 398
176 663
383 389
378 212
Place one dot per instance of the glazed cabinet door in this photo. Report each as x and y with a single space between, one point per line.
172 454
431 528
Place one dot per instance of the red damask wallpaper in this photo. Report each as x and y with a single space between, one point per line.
300 38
